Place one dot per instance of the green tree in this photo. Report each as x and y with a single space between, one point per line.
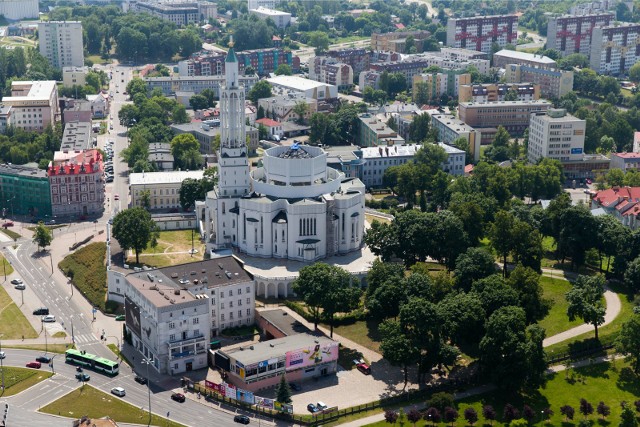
283 70
260 90
42 236
283 392
134 229
396 348
585 300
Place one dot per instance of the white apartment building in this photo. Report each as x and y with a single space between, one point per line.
61 43
615 48
179 308
34 104
556 135
74 76
16 10
281 19
163 187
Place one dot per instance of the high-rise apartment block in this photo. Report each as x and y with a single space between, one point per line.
572 34
61 43
556 135
615 48
481 32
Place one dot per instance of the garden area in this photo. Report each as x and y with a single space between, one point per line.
17 380
88 272
173 248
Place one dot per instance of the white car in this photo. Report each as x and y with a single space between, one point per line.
118 391
50 318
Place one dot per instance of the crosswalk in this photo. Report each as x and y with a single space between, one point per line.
84 339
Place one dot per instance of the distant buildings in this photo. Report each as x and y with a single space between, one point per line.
397 41
34 104
24 191
329 70
263 61
281 19
553 83
512 115
163 187
309 88
505 56
16 10
615 48
554 134
491 92
61 43
570 34
482 32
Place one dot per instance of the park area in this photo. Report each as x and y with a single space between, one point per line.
173 248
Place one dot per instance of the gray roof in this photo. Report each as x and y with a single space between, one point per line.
248 355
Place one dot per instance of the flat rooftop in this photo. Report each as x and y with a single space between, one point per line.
248 355
171 177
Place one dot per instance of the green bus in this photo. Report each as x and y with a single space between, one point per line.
99 364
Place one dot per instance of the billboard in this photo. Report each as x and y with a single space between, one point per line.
132 317
311 356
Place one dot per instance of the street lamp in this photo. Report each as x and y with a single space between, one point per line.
147 362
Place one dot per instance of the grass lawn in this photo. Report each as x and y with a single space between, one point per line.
10 233
51 348
6 268
93 403
556 320
362 332
20 379
89 272
14 324
173 247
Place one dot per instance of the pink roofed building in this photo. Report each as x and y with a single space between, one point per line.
621 202
77 183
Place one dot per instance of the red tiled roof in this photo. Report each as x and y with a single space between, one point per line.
268 122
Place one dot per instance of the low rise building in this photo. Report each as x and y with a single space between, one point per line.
310 88
491 92
281 19
180 307
163 188
301 357
72 76
514 116
34 104
505 56
625 161
281 107
553 83
195 84
555 134
450 128
160 156
24 191
374 132
77 183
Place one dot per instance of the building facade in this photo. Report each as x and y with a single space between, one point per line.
615 48
514 116
61 43
554 134
570 34
24 191
553 83
481 32
163 188
77 183
34 104
490 92
505 56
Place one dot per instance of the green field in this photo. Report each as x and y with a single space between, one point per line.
14 324
93 403
556 320
87 268
610 383
20 379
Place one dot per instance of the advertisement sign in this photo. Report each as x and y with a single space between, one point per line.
576 151
311 356
230 391
245 396
132 317
264 402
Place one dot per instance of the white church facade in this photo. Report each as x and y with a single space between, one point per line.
293 207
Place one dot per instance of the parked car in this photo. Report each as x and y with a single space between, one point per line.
43 359
140 380
120 318
20 287
42 311
118 391
49 318
242 419
34 365
178 397
321 406
312 408
81 376
16 282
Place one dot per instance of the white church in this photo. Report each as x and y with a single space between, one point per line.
293 207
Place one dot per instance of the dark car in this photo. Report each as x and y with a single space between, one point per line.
178 397
295 387
43 359
83 377
42 311
312 408
140 380
35 365
242 419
